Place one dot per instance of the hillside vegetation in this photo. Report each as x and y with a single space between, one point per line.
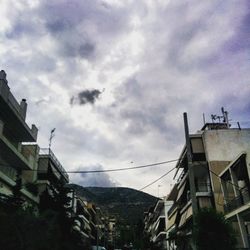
126 204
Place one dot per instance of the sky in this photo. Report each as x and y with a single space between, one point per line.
114 78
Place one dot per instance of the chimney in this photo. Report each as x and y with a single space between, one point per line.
23 106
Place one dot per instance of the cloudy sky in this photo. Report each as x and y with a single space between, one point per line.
115 76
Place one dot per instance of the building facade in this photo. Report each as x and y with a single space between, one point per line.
220 164
18 149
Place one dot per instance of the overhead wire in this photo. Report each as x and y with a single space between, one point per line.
220 191
120 169
236 186
108 170
153 182
150 184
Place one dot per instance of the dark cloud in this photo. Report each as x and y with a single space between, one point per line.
57 26
96 179
86 96
86 50
77 49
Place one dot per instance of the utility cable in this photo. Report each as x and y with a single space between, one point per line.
107 170
236 186
120 169
153 182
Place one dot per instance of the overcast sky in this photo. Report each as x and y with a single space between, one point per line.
115 76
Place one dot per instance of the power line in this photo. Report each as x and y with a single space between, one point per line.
106 170
153 182
120 169
219 177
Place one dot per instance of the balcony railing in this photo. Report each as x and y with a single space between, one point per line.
237 202
48 152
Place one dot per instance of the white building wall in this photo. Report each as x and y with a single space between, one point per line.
226 144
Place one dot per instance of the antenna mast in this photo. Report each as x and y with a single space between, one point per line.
224 117
52 134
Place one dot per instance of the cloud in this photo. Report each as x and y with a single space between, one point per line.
86 96
155 59
96 179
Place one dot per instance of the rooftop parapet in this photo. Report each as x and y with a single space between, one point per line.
14 113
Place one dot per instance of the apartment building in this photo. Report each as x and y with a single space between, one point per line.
93 222
220 162
231 189
18 150
81 216
155 223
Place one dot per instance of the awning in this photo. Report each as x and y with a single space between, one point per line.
173 193
186 215
171 220
181 190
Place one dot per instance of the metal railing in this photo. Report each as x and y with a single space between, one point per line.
238 201
48 152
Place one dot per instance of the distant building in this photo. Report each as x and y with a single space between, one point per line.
155 223
221 160
112 230
18 151
89 220
81 216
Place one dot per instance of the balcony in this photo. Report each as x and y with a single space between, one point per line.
237 202
83 218
47 153
13 156
186 213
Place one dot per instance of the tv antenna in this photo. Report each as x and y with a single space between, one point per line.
222 118
52 135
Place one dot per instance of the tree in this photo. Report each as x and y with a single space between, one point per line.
213 231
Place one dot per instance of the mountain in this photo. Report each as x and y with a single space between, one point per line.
127 204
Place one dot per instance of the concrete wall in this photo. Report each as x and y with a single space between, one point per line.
226 144
222 147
